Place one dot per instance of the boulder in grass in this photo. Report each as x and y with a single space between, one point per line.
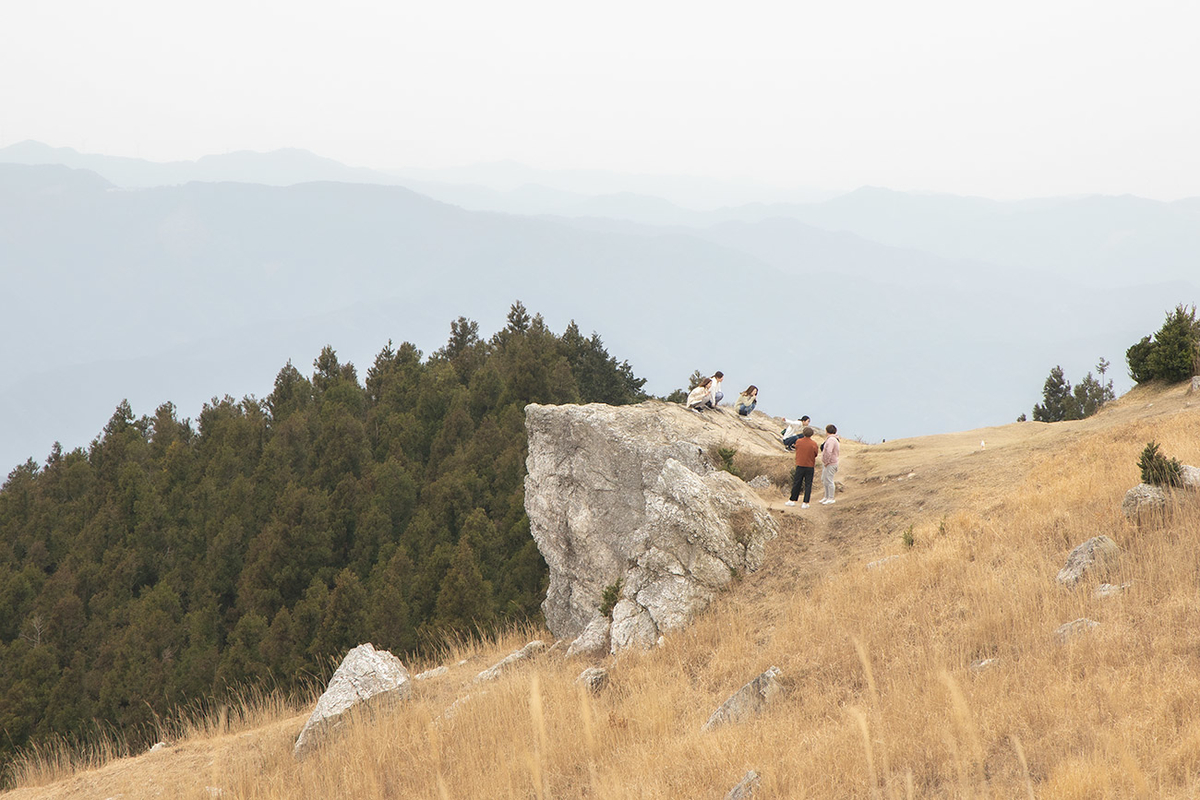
1069 630
436 672
366 675
746 788
1190 476
1093 556
499 668
594 679
1144 500
594 641
748 702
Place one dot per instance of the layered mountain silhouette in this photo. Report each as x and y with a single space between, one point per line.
878 312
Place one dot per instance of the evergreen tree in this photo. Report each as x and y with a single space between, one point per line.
1157 469
1090 394
464 601
518 318
1058 403
1173 354
1061 401
292 392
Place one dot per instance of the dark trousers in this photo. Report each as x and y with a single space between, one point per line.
803 477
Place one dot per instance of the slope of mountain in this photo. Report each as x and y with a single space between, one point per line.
924 645
1110 241
686 191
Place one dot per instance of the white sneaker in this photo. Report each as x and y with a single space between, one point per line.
824 501
804 505
790 503
830 502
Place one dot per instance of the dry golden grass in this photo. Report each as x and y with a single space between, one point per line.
880 700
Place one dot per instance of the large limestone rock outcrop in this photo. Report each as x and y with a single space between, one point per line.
626 496
365 675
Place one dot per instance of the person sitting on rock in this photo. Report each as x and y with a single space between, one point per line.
747 400
793 431
714 390
698 398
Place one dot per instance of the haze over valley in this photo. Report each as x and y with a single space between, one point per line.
894 314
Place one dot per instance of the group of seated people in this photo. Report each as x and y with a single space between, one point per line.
708 394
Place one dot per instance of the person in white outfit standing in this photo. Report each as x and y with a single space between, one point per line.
831 450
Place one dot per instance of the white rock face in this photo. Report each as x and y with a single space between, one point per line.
1094 555
748 702
365 674
627 494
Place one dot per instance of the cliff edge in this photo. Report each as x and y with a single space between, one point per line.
638 526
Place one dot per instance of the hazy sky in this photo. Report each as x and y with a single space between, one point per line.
1012 99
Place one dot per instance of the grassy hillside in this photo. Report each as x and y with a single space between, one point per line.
881 697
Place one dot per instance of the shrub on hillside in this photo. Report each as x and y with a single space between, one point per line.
1157 469
725 457
1173 354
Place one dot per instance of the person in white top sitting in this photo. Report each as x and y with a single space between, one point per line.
792 433
700 396
715 394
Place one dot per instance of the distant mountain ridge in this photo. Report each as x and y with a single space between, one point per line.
185 292
276 168
1112 241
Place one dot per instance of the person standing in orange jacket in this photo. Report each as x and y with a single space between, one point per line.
806 464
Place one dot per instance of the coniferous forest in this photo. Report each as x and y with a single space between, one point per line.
176 561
